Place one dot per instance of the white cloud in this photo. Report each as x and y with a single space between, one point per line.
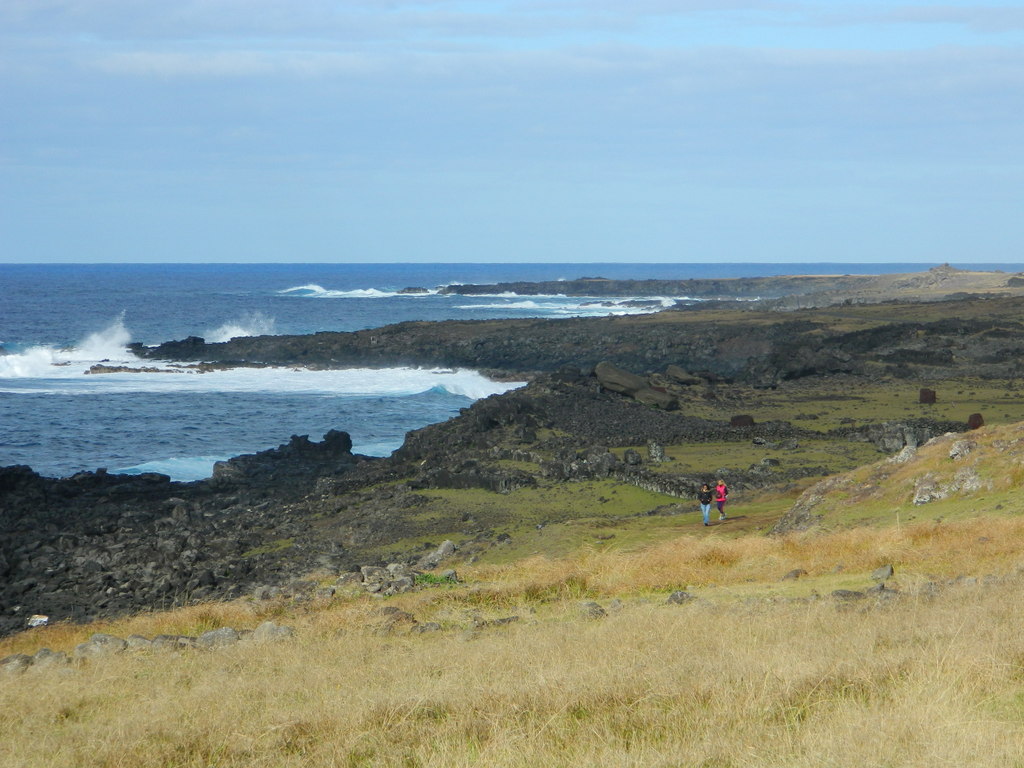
984 19
233 63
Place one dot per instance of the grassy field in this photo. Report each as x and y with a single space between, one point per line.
838 401
756 671
555 518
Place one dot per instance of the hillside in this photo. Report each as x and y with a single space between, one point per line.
696 650
860 606
950 477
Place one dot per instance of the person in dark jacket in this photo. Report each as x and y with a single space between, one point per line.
704 496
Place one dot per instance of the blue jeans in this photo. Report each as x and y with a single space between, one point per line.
705 510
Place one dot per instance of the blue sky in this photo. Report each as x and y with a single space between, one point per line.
650 130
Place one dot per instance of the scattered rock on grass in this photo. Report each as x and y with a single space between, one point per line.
679 597
847 594
882 574
99 645
15 664
217 638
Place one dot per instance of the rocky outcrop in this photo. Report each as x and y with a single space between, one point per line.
98 544
293 464
893 436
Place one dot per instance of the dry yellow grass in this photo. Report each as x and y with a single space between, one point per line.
719 682
923 550
915 684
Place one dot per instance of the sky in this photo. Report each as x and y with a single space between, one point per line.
529 131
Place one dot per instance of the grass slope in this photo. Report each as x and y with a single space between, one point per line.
756 671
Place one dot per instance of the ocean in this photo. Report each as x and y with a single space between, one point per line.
58 320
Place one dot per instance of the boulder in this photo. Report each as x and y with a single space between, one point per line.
615 379
99 645
15 664
348 579
591 610
657 398
44 658
172 642
961 449
882 574
432 560
217 638
269 632
679 597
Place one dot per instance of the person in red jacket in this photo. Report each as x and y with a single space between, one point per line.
721 494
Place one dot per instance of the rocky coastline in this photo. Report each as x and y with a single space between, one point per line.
756 347
95 544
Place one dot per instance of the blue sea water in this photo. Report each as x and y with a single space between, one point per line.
58 320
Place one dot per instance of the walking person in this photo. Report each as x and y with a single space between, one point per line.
721 494
704 496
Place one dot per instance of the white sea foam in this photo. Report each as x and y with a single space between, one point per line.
319 292
182 469
577 306
351 382
108 345
186 469
376 447
252 324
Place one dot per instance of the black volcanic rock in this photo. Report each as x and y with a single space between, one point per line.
743 287
754 347
98 544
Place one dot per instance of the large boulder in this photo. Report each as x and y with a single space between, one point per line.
217 638
657 398
99 645
15 664
616 379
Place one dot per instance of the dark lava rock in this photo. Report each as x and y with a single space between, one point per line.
97 545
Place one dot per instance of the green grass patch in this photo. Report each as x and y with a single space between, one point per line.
278 545
824 404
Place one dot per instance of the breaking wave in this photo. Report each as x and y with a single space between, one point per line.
319 292
252 324
46 377
182 469
579 306
108 345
